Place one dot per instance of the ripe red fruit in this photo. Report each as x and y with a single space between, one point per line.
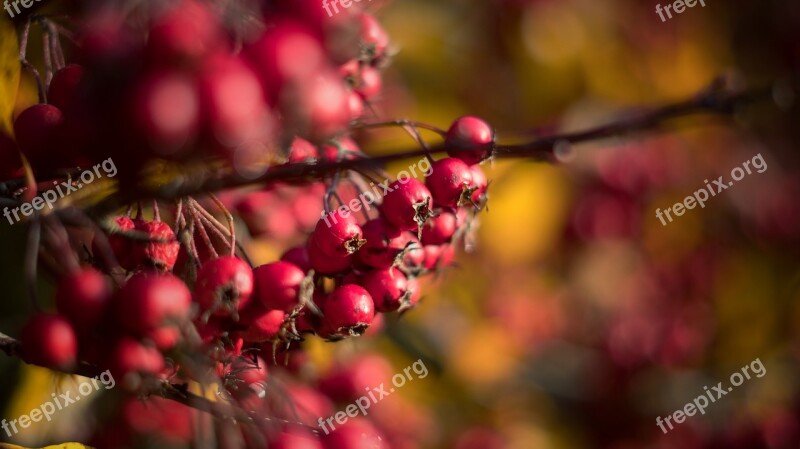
186 31
120 246
160 254
413 258
319 106
150 300
470 139
277 285
298 256
356 433
128 356
481 184
338 234
302 150
344 148
373 37
324 264
355 105
370 83
63 86
295 439
232 101
384 244
347 311
166 110
82 297
49 340
264 327
224 286
450 182
439 229
347 379
35 130
387 288
407 205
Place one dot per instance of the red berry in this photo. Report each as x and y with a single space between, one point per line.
338 234
278 285
347 311
187 31
295 439
166 110
355 105
319 107
232 101
264 327
129 356
481 184
150 300
413 258
298 256
450 182
384 244
439 229
302 150
373 37
348 379
49 340
370 83
83 296
64 85
160 254
470 139
356 433
407 205
344 148
224 286
36 130
324 264
387 288
120 246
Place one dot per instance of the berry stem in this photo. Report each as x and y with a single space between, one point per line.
23 50
229 219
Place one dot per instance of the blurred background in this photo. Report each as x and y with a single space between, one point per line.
578 318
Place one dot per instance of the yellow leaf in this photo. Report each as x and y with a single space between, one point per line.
9 73
57 446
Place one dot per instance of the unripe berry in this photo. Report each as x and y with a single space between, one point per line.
347 311
49 340
150 300
224 286
159 254
450 182
439 229
470 139
387 288
407 205
338 234
277 285
64 85
384 244
83 297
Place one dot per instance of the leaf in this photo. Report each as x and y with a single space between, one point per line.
57 446
9 73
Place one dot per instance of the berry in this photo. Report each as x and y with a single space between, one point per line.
338 234
298 256
187 31
83 296
302 150
264 327
347 311
49 340
166 110
370 83
274 56
224 286
347 379
407 205
129 355
278 285
481 184
470 139
356 433
64 85
36 130
295 439
373 37
439 229
324 264
150 300
384 244
387 288
450 182
161 254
